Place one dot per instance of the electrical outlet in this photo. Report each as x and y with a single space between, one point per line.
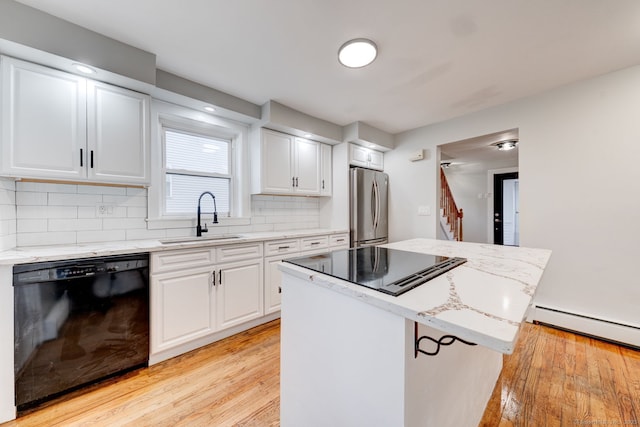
104 210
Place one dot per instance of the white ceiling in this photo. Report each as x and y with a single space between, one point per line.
437 59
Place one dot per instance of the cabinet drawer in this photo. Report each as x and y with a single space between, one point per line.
238 252
179 260
311 243
281 247
339 239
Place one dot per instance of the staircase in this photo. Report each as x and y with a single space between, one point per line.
450 215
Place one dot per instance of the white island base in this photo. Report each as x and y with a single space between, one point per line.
347 363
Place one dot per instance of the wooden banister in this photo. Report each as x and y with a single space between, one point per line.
449 208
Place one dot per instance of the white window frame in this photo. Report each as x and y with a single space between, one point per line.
165 115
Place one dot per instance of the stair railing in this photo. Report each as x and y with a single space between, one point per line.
449 208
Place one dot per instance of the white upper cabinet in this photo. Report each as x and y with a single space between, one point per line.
366 158
326 170
44 125
118 134
61 126
284 164
307 167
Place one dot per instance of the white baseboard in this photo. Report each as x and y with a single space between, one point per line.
583 324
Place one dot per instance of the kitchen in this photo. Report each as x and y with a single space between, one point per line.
565 163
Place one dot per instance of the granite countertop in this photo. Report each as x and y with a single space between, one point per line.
483 301
29 254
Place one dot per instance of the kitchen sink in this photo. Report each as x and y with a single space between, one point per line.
192 239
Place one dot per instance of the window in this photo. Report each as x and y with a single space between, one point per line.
194 163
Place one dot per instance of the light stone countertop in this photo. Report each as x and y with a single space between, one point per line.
483 301
23 255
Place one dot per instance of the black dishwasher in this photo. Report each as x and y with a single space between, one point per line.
77 322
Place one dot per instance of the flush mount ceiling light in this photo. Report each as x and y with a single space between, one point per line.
357 53
209 109
507 145
84 68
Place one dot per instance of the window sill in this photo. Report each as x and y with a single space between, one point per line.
164 223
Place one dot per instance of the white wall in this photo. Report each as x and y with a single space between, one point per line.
579 181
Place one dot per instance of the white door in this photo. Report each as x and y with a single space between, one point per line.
183 307
358 156
118 134
307 166
239 293
277 166
43 121
325 179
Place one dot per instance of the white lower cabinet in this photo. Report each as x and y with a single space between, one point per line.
291 248
201 295
193 296
239 293
183 304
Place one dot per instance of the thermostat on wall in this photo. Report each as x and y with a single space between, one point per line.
418 155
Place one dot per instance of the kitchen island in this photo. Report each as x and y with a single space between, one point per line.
349 354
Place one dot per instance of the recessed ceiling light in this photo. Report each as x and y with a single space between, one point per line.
307 135
357 53
210 109
507 145
84 68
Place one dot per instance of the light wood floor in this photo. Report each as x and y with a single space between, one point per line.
554 378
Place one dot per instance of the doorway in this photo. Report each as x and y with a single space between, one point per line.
506 214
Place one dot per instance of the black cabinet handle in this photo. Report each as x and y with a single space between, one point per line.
91 159
220 281
296 181
81 158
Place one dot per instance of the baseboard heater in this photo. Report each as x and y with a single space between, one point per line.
618 333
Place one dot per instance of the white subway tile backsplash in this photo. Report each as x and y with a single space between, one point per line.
123 223
43 187
65 199
48 238
67 214
136 212
144 234
44 212
100 236
91 189
31 225
74 224
125 200
31 198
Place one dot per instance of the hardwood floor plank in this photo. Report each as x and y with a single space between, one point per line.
554 378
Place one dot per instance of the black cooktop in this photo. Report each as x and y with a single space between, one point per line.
391 271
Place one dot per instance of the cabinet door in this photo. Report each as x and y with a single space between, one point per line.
118 134
183 307
273 281
358 156
239 294
307 166
277 166
376 160
325 178
43 121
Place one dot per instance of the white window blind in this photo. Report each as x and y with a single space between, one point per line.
195 163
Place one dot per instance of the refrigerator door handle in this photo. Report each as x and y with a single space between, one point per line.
373 204
377 205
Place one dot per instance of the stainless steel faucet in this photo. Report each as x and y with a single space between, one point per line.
199 229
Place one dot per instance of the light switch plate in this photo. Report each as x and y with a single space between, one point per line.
424 210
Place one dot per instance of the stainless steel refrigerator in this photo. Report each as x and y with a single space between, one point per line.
368 206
